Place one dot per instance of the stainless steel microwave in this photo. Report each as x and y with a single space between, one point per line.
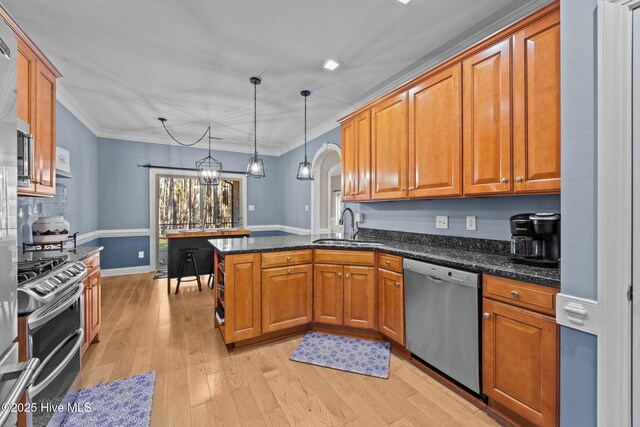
25 154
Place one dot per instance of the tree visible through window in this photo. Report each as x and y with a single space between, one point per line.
185 204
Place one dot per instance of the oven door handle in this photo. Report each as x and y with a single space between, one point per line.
34 320
35 389
27 374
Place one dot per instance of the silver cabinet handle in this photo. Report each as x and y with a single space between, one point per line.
410 188
486 315
397 284
518 179
514 294
504 180
347 275
402 189
288 258
339 274
388 262
289 271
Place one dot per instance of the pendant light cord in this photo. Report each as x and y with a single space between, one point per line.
305 129
208 131
255 119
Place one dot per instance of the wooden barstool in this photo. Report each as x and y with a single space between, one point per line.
188 258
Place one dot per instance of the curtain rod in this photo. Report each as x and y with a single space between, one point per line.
150 166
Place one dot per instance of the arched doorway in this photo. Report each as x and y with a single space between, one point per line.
325 188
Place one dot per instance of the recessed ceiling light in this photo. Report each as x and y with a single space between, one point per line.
331 64
404 1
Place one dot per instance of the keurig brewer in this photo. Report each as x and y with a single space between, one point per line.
535 239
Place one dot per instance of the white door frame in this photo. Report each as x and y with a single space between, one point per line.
334 170
614 209
153 209
315 184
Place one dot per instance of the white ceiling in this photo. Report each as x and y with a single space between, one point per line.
128 62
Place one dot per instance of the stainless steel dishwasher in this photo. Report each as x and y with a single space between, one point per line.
441 309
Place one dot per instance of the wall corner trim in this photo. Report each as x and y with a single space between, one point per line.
578 313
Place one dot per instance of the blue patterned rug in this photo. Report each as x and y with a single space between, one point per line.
122 403
346 354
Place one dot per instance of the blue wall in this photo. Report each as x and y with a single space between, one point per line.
578 387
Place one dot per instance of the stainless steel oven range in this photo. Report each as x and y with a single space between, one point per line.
51 324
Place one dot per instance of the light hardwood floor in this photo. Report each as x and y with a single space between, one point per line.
200 383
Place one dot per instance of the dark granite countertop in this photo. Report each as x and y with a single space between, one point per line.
78 254
497 264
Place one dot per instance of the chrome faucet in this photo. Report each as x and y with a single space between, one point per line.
354 232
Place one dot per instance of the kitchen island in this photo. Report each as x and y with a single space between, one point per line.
197 239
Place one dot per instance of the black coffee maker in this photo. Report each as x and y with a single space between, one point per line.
535 239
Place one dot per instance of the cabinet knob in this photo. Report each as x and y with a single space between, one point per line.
397 284
288 258
388 262
504 180
402 189
339 274
518 179
289 271
486 315
353 194
514 294
410 188
347 275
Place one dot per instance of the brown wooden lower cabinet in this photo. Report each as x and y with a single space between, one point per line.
520 362
328 296
391 305
287 297
242 297
360 297
92 302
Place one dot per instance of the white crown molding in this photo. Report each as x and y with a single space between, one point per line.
429 64
109 272
71 104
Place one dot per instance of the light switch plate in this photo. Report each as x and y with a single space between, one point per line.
442 221
141 254
360 218
471 223
252 208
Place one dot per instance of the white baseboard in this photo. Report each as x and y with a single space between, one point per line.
126 270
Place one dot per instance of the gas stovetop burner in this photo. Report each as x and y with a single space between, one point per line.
28 270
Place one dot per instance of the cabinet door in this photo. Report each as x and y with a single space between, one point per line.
242 293
349 170
363 156
87 317
389 148
487 120
95 305
536 106
391 305
435 135
520 361
26 94
287 297
328 294
360 297
45 131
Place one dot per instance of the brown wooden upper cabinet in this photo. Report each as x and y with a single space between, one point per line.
487 120
36 105
356 158
485 123
389 147
536 106
435 140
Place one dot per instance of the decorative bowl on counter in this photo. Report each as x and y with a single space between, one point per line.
50 229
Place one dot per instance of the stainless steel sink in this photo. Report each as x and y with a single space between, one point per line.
346 243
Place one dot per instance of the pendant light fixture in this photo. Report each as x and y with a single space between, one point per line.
208 168
304 169
255 169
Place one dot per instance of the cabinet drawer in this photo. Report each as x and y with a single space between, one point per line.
92 263
348 257
280 259
534 297
390 262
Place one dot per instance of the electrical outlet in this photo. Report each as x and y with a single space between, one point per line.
360 218
306 208
471 223
252 208
442 222
141 254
